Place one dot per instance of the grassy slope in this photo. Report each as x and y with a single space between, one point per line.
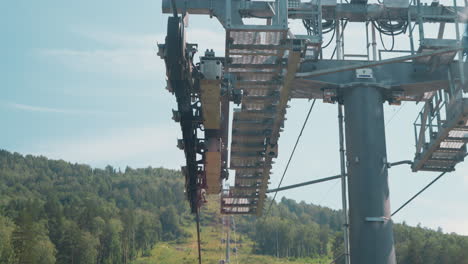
212 249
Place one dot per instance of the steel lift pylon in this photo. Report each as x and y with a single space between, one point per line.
266 66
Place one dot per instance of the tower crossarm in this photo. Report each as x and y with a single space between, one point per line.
356 11
414 80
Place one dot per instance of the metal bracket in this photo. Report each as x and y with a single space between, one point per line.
381 219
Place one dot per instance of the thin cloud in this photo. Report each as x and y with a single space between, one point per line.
205 38
457 225
42 109
128 55
138 63
121 40
462 171
31 108
136 147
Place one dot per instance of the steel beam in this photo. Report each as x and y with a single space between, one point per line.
362 2
356 11
304 184
414 79
362 65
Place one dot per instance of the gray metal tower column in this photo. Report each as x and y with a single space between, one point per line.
371 233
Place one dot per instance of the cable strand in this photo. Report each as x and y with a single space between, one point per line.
417 194
291 156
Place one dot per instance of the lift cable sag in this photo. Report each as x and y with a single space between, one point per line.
337 258
395 114
417 194
291 156
427 186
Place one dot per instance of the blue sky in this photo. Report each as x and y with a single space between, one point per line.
81 81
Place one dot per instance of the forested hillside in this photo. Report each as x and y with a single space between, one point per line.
58 212
303 230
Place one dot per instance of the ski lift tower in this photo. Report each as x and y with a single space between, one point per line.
266 65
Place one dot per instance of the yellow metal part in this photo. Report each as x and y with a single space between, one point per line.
211 106
213 172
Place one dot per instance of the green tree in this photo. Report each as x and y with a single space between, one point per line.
43 251
111 243
170 223
87 248
7 255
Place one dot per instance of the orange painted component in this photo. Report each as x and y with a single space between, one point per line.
211 106
213 172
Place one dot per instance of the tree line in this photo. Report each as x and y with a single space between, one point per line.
58 212
52 211
301 230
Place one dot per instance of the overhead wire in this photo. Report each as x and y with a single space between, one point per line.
337 258
395 114
331 39
339 37
383 44
325 195
291 155
327 27
421 191
388 28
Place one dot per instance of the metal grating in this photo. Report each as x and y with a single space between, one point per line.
256 37
254 57
446 146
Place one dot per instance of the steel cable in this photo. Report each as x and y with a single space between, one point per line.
291 156
417 194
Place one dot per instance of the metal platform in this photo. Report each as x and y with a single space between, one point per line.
264 63
441 132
